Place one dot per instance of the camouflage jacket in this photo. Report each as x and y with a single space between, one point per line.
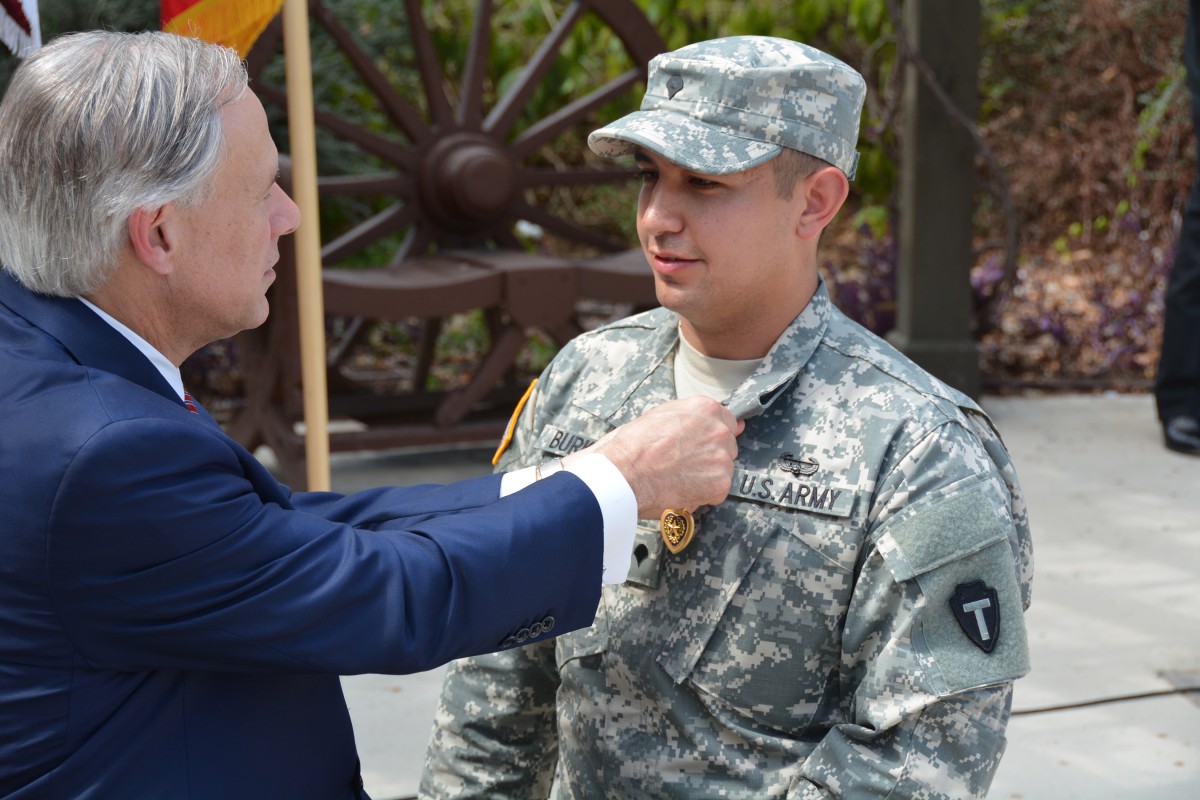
847 624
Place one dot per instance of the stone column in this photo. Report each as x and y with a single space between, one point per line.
937 203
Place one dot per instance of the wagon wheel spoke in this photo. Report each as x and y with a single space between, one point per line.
470 103
372 185
407 118
378 226
572 114
429 65
550 178
507 239
568 229
506 112
371 142
417 240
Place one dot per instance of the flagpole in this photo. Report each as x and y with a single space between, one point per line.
309 290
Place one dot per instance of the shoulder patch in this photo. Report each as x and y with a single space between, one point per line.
512 423
977 609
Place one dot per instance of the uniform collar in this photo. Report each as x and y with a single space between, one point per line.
648 379
791 351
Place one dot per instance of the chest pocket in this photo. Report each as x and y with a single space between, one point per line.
760 618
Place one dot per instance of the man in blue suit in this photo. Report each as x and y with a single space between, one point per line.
174 620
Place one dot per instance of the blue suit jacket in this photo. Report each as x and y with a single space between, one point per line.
174 620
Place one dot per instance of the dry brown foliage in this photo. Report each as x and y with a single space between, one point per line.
1095 137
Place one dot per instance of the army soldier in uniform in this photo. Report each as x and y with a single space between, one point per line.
849 622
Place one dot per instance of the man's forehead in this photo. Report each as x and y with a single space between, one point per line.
248 137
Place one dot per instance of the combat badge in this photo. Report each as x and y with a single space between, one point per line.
677 527
798 467
978 613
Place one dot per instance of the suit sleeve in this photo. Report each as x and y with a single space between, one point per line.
163 554
495 732
926 706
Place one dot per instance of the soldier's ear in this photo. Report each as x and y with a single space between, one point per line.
823 193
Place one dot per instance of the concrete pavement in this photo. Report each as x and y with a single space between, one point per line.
1114 627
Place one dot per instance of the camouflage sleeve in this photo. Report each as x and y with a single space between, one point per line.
494 732
520 451
934 635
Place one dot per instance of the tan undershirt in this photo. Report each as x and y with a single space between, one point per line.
696 373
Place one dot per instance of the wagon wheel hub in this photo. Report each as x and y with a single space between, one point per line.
467 180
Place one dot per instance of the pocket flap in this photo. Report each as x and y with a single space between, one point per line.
583 642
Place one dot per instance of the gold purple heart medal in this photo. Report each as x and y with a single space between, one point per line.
677 527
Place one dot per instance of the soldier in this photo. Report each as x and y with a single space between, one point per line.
849 622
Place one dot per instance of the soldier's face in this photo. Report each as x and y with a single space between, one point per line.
724 252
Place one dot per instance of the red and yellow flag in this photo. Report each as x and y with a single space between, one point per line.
235 23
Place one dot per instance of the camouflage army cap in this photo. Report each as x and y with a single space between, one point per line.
726 105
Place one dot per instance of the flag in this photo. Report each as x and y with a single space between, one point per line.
234 23
19 28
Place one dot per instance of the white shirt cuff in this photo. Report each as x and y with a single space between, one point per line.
618 507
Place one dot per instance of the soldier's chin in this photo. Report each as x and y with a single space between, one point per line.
672 298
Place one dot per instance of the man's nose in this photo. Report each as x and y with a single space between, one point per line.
288 216
660 212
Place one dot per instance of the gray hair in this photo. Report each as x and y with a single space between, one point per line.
94 126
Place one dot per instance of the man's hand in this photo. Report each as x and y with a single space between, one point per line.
678 455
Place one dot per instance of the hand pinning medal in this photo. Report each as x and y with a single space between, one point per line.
677 527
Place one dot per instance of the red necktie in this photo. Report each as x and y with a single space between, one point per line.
189 402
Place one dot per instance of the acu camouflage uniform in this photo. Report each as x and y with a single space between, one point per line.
806 644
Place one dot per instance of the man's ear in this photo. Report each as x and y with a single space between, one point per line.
152 238
823 192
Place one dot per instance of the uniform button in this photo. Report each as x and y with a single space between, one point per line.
547 624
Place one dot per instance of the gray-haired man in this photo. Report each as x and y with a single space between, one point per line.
849 622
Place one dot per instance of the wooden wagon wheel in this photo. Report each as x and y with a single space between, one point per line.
458 162
458 172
